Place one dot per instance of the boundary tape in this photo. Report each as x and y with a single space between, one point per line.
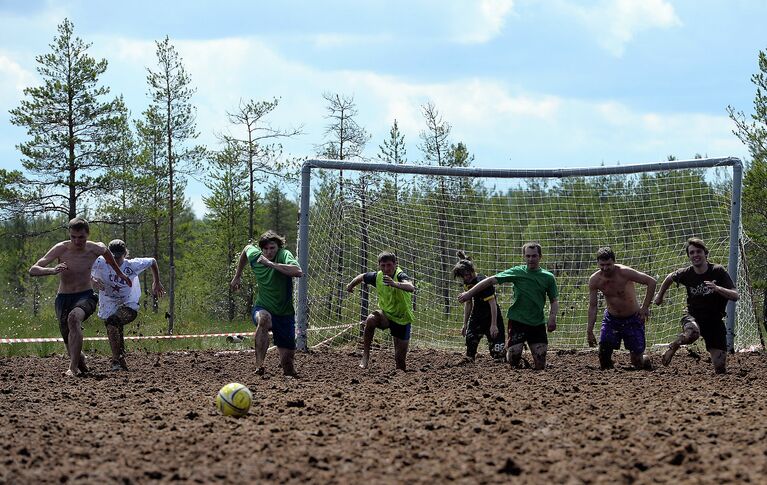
36 340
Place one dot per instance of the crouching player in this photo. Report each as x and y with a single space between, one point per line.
274 268
118 302
481 314
395 301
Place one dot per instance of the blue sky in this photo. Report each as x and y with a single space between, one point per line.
544 83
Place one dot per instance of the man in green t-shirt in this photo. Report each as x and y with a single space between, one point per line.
274 267
394 289
527 322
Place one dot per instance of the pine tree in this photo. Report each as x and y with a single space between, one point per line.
75 133
169 87
344 139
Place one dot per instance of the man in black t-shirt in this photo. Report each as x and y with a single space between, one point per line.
481 315
709 288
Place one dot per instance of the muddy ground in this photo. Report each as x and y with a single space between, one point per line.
438 422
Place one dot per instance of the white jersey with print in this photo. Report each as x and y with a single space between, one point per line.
116 291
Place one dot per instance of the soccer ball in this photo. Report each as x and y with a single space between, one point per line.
234 400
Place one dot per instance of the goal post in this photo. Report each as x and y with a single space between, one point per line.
352 210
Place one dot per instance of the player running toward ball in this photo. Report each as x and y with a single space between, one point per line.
75 299
274 268
623 318
118 302
395 301
527 323
481 314
709 288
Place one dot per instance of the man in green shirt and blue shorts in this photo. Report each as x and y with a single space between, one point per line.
395 300
274 267
527 322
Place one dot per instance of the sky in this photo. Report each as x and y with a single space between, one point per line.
523 83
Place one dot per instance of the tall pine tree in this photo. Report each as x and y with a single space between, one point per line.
75 133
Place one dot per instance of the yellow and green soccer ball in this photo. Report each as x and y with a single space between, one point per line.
234 400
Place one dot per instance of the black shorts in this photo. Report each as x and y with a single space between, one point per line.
86 300
475 330
713 331
532 334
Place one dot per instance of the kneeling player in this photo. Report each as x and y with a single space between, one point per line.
623 319
274 268
394 289
709 288
481 314
118 302
527 322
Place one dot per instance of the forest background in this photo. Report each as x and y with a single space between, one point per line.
84 155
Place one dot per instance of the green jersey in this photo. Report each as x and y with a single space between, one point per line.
396 304
275 290
530 290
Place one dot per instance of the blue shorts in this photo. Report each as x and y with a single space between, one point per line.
629 329
400 331
283 328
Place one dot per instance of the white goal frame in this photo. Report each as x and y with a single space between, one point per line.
504 173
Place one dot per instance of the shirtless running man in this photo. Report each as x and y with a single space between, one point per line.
623 319
75 299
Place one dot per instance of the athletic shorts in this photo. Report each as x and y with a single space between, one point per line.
474 332
401 331
86 300
520 333
712 329
123 316
283 328
629 329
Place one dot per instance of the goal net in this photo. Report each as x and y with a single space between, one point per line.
351 211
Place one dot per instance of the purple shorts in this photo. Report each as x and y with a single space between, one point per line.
630 330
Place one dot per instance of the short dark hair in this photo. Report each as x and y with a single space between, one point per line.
387 256
271 236
605 254
79 224
698 243
533 245
118 248
463 266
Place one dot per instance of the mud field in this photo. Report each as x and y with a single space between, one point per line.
438 422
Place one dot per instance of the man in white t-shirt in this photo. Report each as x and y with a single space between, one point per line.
118 302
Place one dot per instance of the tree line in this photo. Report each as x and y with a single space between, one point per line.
84 155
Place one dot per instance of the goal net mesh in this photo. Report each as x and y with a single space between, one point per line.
424 219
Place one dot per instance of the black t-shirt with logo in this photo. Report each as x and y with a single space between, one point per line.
481 302
703 302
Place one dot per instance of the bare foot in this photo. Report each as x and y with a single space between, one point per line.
82 366
667 355
365 361
70 373
647 363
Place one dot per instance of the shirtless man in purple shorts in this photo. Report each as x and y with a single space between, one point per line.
623 319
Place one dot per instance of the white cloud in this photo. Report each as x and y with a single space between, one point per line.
477 22
502 125
12 74
615 23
